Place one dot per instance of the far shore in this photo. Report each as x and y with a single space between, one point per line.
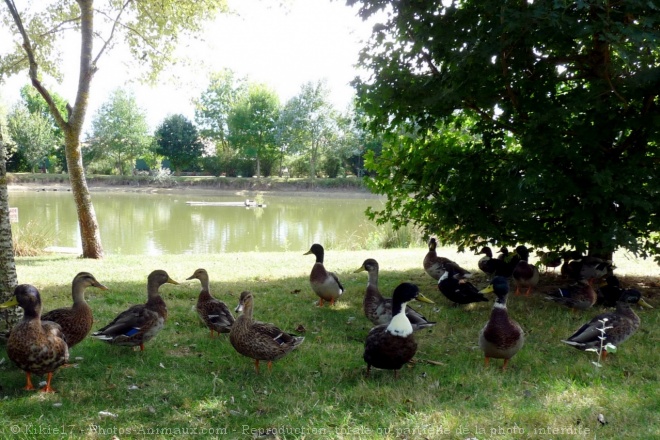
280 190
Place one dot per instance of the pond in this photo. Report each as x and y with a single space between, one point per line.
134 223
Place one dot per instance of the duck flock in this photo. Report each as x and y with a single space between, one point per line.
39 344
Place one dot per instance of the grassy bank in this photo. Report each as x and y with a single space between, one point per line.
197 182
186 381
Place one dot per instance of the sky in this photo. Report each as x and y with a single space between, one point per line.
283 47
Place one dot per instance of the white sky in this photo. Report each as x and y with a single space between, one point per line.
284 47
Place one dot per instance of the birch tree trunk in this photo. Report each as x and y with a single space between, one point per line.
8 279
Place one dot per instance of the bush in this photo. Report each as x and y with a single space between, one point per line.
31 239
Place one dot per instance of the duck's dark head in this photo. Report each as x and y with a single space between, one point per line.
317 250
634 296
369 265
406 292
27 297
499 286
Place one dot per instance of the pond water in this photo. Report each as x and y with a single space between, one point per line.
134 223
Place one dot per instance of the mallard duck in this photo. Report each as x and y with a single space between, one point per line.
489 265
259 340
35 346
579 296
214 313
577 266
378 309
524 274
76 321
390 346
501 337
549 259
619 325
435 266
325 284
140 323
458 291
510 261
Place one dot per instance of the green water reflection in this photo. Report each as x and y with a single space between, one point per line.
154 224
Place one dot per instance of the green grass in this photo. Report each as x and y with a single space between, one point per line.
185 380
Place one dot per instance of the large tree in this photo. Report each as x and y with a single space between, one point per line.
252 123
120 132
151 29
307 124
32 134
177 139
533 122
214 105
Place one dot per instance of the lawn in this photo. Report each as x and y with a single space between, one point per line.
187 383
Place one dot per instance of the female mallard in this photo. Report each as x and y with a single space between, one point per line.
140 323
579 296
390 346
259 340
618 326
435 266
501 337
378 309
214 313
524 274
35 346
489 265
325 284
549 259
458 291
76 321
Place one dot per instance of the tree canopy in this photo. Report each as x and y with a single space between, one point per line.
177 139
518 122
120 132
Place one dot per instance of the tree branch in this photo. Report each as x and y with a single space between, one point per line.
34 67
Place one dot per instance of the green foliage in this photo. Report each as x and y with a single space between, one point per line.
120 133
511 122
252 124
307 123
33 135
177 139
213 107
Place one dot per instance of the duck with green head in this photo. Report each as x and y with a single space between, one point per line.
35 346
501 337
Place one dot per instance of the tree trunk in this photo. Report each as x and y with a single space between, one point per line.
8 280
89 229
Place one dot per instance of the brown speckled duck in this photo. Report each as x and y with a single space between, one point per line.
622 324
325 284
213 312
76 321
35 346
140 323
379 309
390 346
436 266
259 340
501 337
578 296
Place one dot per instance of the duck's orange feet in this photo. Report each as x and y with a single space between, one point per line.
486 361
48 388
320 302
506 361
212 333
141 347
529 290
332 302
28 385
256 365
270 366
